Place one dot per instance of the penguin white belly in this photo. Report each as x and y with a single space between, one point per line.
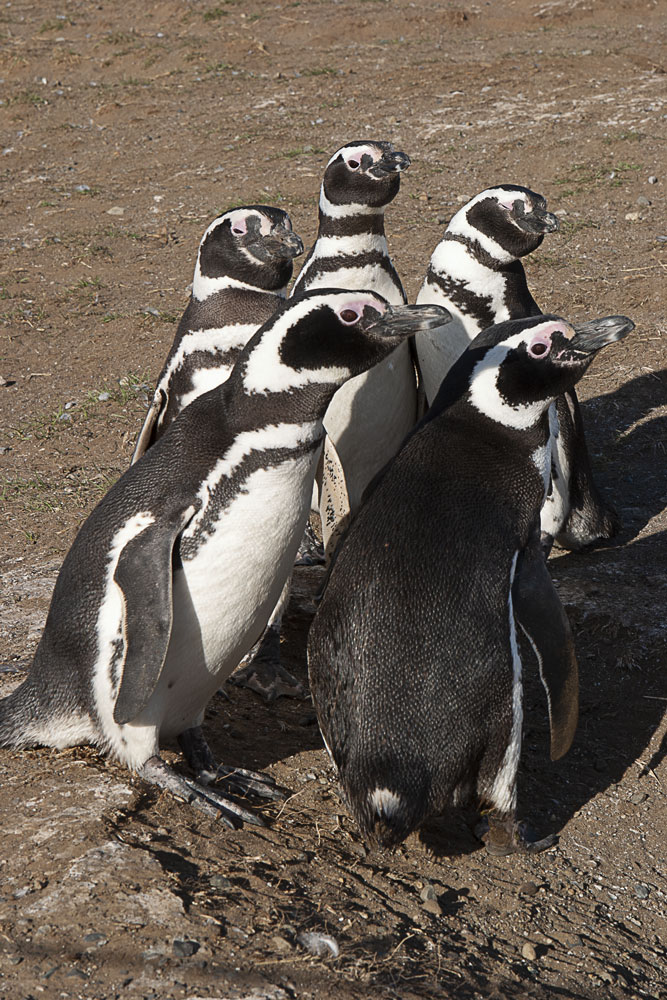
370 416
438 349
223 596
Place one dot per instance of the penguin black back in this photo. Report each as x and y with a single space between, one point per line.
414 664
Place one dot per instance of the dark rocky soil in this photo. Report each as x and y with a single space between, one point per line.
125 131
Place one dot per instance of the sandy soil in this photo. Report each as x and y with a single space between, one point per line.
123 136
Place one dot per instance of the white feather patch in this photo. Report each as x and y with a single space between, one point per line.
486 397
503 793
385 802
265 372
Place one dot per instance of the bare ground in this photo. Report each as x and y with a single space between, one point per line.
124 134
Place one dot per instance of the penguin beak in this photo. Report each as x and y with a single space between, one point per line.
390 163
405 321
538 222
597 333
288 244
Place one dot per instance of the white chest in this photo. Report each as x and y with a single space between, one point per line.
223 596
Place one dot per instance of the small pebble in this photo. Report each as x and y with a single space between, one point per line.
653 179
528 889
428 892
220 882
433 906
152 310
573 941
116 210
95 939
632 216
103 396
280 944
641 891
184 949
638 798
643 200
528 952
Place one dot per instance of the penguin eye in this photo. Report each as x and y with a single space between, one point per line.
238 231
353 164
349 316
539 349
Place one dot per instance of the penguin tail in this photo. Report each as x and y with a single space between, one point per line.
389 806
19 713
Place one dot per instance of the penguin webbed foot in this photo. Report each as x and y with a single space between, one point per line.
219 807
311 550
503 835
234 780
264 673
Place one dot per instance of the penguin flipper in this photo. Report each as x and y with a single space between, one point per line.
541 615
144 575
147 433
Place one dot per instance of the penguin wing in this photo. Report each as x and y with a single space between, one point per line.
144 575
539 612
147 433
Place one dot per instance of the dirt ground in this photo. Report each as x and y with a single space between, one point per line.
124 134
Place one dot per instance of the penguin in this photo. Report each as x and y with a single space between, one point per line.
174 574
371 415
414 659
244 265
476 273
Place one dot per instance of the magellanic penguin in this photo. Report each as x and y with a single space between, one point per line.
244 265
477 274
413 654
369 417
173 576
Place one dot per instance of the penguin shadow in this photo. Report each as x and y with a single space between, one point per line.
245 731
627 437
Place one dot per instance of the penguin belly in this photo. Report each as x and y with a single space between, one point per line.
438 349
224 595
370 416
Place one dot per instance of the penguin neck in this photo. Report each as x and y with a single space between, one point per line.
461 263
487 254
349 220
203 286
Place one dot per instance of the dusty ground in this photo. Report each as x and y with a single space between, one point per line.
123 136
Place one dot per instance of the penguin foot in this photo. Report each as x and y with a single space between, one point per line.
311 550
589 526
503 835
234 780
264 673
156 772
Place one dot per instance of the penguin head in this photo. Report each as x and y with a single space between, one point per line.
325 336
507 222
254 244
513 371
363 174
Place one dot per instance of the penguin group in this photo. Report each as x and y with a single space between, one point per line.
441 445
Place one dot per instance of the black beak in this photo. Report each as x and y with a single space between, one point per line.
390 163
597 333
289 244
538 221
405 321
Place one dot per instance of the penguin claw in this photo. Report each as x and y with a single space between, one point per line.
311 550
269 679
238 781
503 836
232 815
